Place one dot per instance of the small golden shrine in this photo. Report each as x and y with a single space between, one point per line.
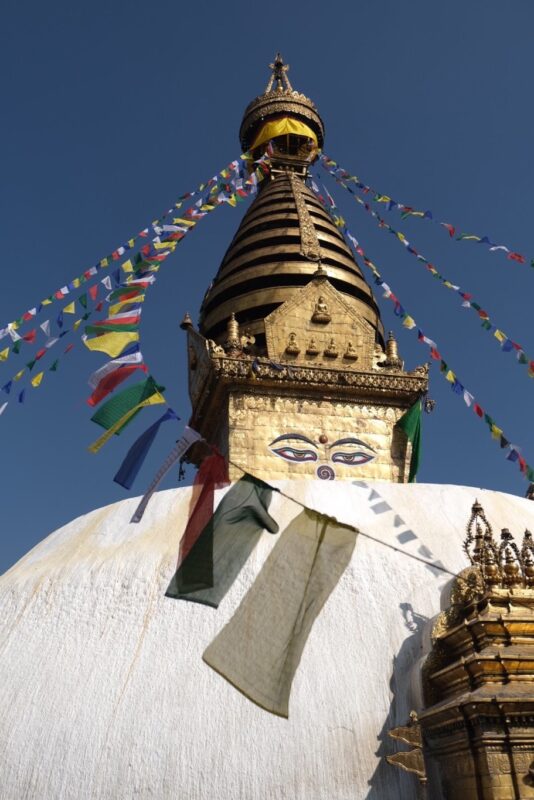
289 372
478 726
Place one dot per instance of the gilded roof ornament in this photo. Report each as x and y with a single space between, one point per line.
279 75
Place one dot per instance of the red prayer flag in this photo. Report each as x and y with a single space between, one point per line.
93 291
516 257
478 411
30 336
40 353
213 474
112 380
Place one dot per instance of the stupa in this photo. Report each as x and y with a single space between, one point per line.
105 694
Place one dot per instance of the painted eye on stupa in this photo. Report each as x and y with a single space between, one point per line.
352 459
290 452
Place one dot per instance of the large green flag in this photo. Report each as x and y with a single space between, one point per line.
410 423
119 405
224 545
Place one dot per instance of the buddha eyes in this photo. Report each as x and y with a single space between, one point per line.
293 454
352 459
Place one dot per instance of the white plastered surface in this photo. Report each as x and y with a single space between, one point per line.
104 693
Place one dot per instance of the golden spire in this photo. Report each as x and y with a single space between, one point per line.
279 74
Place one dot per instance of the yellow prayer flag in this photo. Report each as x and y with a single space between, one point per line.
165 245
499 335
19 375
36 380
496 432
4 354
70 309
131 242
76 325
408 322
450 376
104 262
46 302
189 223
111 343
127 266
76 283
140 298
154 399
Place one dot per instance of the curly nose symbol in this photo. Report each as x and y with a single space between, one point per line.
325 472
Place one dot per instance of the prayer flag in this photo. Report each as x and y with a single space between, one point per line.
111 343
181 447
153 400
410 423
116 407
70 309
259 650
36 380
137 453
210 564
110 382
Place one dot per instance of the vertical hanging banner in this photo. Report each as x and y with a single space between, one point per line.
189 437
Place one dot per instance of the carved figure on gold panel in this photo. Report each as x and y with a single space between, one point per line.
350 353
312 349
292 347
320 313
331 351
297 448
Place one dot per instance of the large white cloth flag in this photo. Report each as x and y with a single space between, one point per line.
259 650
181 447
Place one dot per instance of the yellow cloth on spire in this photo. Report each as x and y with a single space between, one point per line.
111 343
153 400
279 127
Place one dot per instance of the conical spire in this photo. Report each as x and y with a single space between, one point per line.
279 75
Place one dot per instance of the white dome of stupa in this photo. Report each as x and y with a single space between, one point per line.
104 692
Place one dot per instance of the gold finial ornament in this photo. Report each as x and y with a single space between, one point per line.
393 361
187 322
233 341
279 99
279 75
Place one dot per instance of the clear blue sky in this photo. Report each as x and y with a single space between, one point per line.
111 110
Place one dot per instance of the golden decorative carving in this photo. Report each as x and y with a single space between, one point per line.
350 353
320 313
309 243
312 349
479 676
331 351
292 347
409 760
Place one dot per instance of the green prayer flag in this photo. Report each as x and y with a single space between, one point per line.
119 405
410 423
111 328
53 367
83 300
225 543
31 364
16 346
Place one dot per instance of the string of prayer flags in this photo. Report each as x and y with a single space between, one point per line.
214 560
334 169
90 273
410 423
467 299
137 453
188 438
457 386
125 402
260 648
